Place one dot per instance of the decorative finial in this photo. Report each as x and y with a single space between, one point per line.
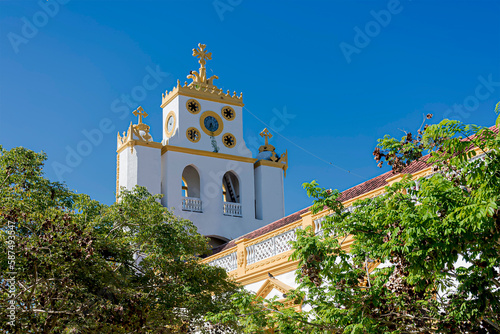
202 54
265 133
201 78
141 113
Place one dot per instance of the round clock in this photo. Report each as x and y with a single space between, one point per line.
211 123
228 113
228 140
170 124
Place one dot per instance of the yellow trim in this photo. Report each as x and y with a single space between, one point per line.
132 143
268 163
227 135
193 129
217 117
206 153
198 103
170 133
228 118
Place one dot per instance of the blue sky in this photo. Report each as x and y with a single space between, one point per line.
330 76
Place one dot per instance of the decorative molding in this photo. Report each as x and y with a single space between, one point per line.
133 143
172 148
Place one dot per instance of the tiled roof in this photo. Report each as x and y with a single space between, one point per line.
372 184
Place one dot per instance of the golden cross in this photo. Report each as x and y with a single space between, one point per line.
267 134
202 54
141 113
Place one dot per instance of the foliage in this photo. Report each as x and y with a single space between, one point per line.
77 263
425 256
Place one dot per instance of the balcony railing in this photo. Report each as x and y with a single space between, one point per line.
227 262
270 247
232 209
192 204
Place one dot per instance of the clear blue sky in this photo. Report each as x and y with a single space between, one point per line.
345 78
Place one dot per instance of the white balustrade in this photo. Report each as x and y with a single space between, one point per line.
270 247
192 204
227 262
232 209
318 225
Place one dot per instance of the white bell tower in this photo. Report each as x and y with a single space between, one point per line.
203 167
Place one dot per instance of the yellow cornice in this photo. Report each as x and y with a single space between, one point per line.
268 163
206 153
282 267
210 93
132 143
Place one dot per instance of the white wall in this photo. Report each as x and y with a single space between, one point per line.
141 167
270 200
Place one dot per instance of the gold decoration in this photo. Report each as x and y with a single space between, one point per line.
201 78
228 113
193 106
136 132
283 159
228 140
201 87
266 147
193 134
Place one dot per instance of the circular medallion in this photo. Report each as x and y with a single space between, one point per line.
170 124
193 134
211 123
228 113
193 106
228 140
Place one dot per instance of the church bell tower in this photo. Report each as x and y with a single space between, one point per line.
202 166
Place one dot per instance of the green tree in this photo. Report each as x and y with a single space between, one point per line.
438 243
73 264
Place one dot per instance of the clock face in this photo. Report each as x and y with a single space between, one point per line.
170 124
211 124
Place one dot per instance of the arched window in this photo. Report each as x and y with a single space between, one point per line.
230 188
190 182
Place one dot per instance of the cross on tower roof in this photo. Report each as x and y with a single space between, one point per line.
267 134
141 113
202 53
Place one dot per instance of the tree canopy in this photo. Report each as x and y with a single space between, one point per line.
425 256
70 264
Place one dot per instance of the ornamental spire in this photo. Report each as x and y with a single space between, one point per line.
201 77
